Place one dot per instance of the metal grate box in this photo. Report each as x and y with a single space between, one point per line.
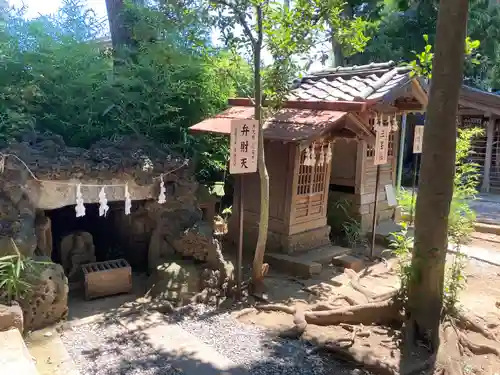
107 278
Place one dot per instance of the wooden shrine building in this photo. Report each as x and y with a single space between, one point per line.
329 117
479 108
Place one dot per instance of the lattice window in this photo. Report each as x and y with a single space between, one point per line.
305 176
311 180
370 149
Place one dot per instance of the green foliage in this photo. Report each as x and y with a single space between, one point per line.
405 202
422 65
401 246
454 282
58 77
402 23
460 220
14 273
341 220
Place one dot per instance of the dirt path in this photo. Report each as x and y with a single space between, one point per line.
481 296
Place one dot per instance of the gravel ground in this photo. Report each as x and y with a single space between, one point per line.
111 349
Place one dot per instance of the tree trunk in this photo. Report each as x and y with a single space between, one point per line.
436 175
120 35
337 54
258 272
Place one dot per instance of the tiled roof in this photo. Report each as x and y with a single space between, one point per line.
479 99
286 125
291 124
370 82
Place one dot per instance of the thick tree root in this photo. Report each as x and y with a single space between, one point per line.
385 312
476 347
466 320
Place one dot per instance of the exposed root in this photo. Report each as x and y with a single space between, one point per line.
370 296
362 356
466 320
357 286
385 312
448 356
476 347
276 307
351 301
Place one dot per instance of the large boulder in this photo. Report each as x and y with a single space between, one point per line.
176 282
11 317
47 301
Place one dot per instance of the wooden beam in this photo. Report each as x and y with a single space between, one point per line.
419 93
479 106
470 112
490 132
306 104
410 107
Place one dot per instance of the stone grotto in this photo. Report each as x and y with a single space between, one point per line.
38 193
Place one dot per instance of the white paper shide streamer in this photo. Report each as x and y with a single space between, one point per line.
128 201
79 208
103 203
162 197
329 153
321 160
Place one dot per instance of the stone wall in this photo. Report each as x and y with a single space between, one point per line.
118 161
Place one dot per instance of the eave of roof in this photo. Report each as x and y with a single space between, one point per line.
484 101
289 124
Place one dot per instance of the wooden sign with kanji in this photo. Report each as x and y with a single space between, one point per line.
381 145
418 138
243 152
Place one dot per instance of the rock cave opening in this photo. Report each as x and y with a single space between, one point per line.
94 238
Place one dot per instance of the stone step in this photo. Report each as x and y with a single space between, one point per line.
349 261
487 228
50 354
14 355
323 255
293 265
305 264
383 232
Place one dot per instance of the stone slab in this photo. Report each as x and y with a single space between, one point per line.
14 355
50 354
478 253
183 350
487 228
323 255
349 261
293 265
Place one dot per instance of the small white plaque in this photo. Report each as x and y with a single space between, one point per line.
244 140
391 196
418 139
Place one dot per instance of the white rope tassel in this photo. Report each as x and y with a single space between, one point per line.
313 157
162 197
103 207
79 208
329 154
377 122
128 201
321 160
307 158
394 123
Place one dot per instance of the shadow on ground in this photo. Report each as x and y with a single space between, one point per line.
139 355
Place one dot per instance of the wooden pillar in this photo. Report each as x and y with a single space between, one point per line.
490 133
